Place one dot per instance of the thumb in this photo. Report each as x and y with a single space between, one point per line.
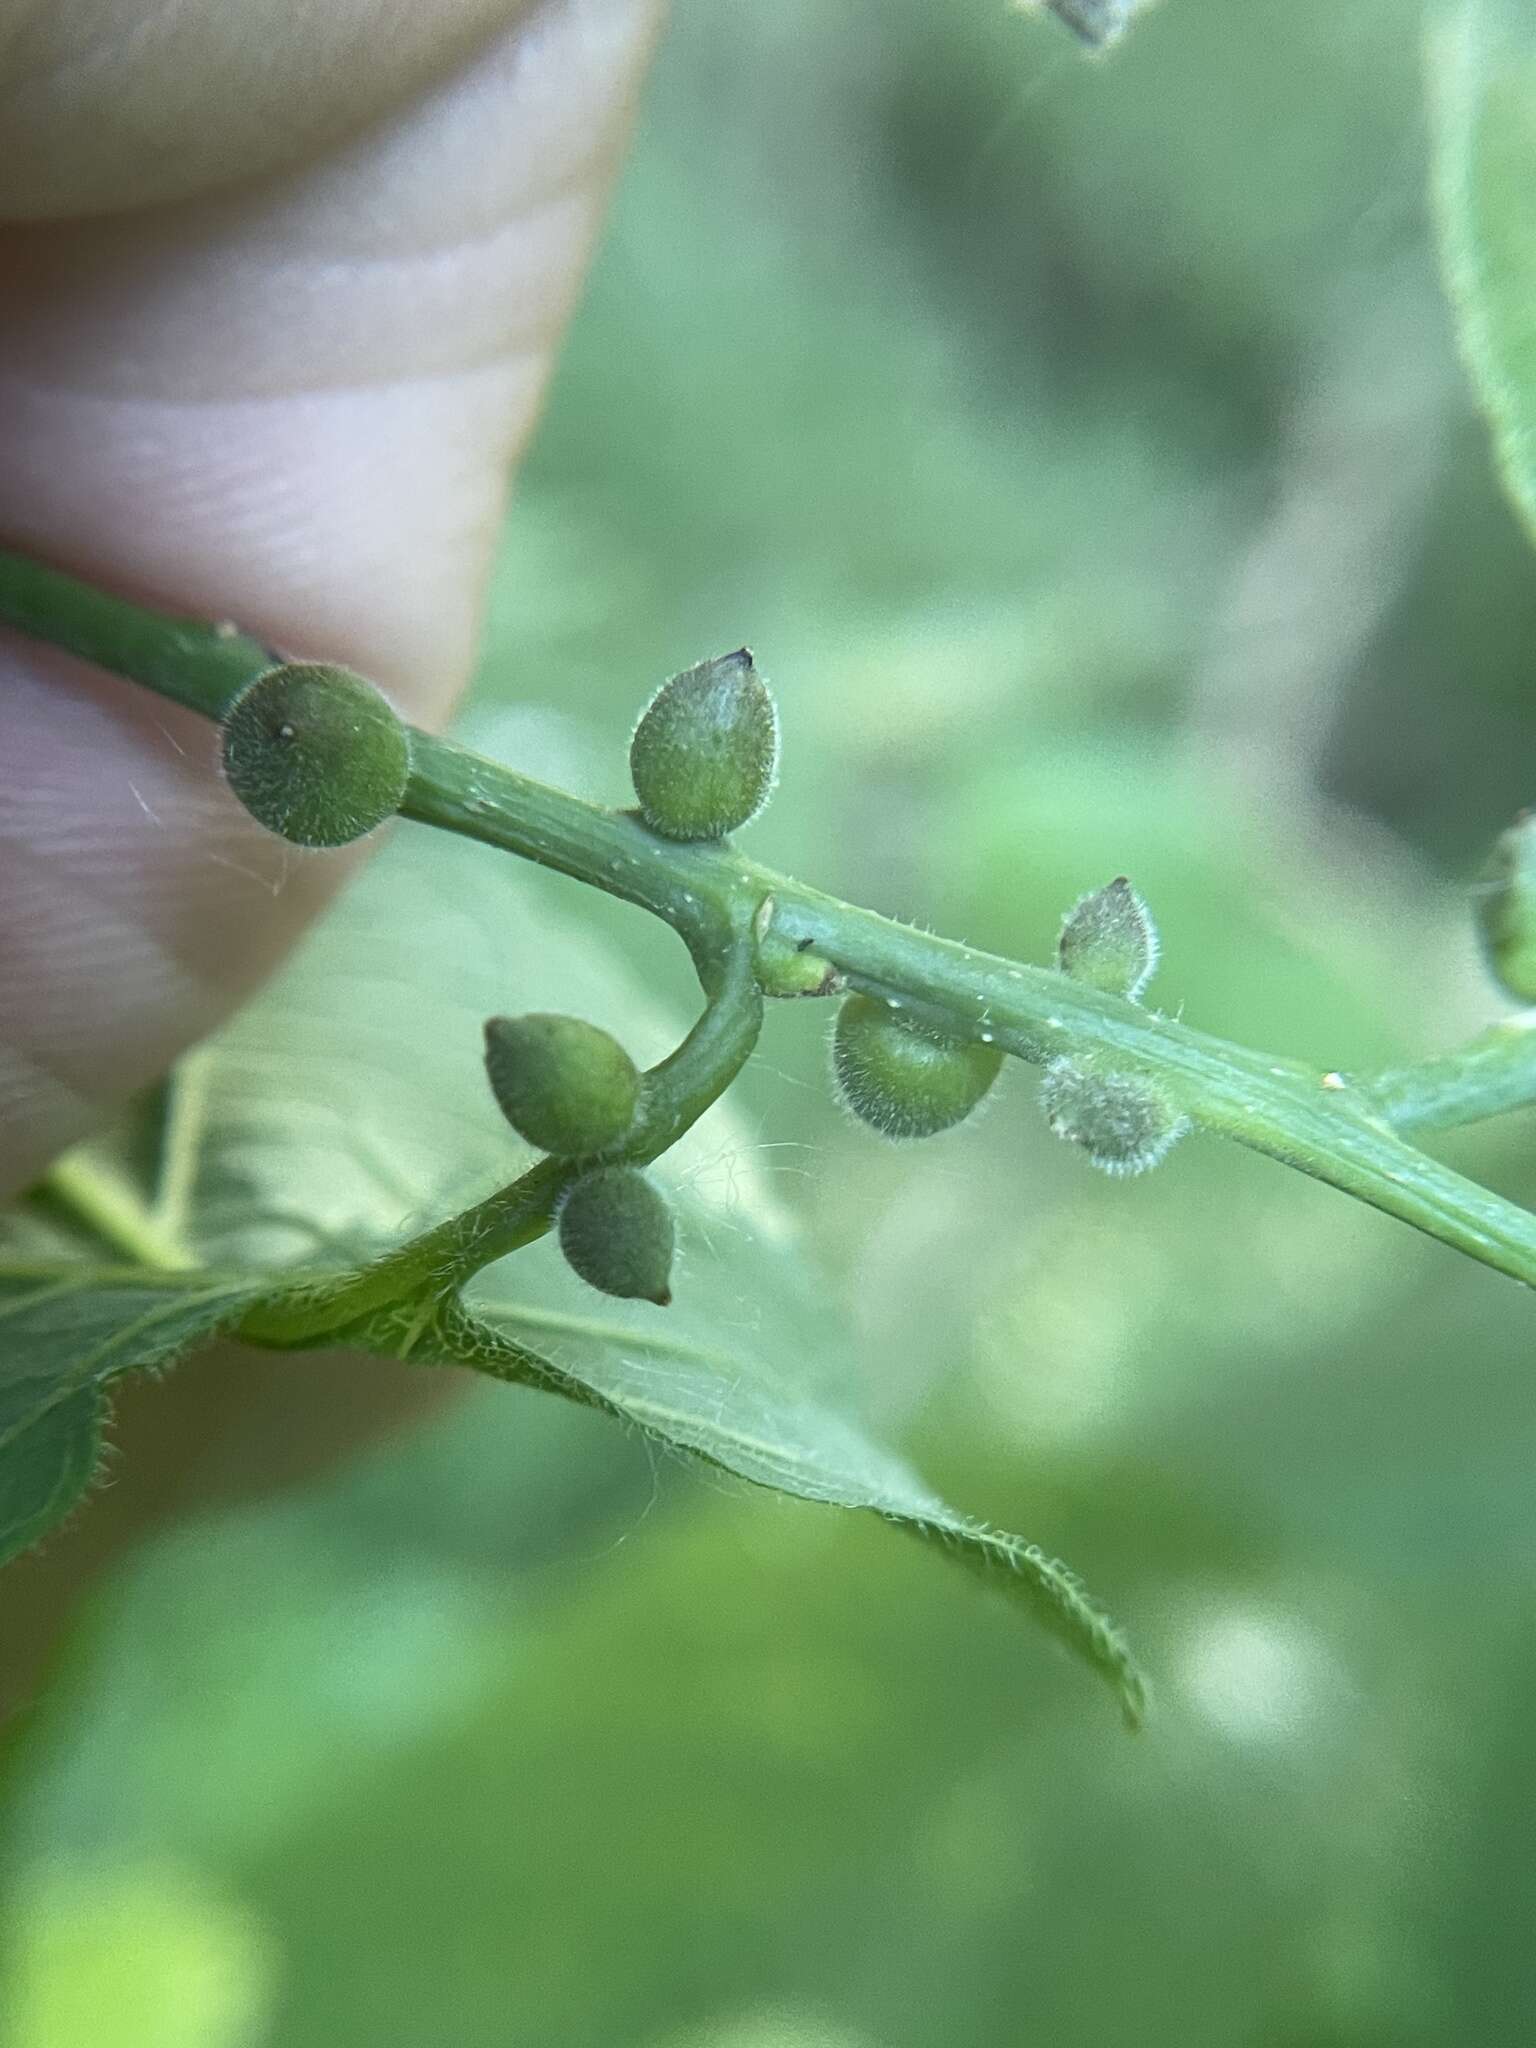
292 401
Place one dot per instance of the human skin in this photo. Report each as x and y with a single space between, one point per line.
280 288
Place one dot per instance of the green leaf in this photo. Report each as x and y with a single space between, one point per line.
724 1402
752 1367
349 1106
709 1380
65 1332
1482 84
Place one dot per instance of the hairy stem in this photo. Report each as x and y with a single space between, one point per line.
189 661
1349 1134
442 1260
1493 1072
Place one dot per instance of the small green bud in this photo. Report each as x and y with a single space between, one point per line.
316 754
563 1084
1505 901
789 967
1124 1122
1108 940
788 970
903 1079
706 751
616 1233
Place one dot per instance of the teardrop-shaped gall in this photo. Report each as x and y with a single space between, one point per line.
706 750
1124 1122
562 1083
1505 902
902 1079
1109 941
616 1233
316 754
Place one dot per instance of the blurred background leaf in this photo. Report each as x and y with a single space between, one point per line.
1482 74
136 1958
1083 450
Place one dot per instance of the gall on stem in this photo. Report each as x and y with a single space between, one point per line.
617 1234
706 751
316 754
1123 1122
562 1084
1109 941
903 1079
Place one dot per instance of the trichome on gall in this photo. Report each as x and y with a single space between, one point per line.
1123 1122
903 1079
316 754
706 750
1109 941
616 1233
563 1084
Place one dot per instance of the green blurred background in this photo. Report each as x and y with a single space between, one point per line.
1082 448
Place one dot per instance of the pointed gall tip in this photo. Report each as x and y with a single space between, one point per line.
663 1299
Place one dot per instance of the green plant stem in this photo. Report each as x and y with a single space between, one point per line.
703 891
1494 1072
189 661
1291 1112
1288 1111
442 1260
1345 1133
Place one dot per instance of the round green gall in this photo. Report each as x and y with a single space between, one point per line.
902 1079
562 1084
706 750
1124 1123
316 754
1505 901
616 1233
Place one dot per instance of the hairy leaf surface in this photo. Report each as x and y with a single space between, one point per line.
348 1106
726 1400
65 1332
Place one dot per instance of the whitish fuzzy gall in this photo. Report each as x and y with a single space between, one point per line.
902 1079
1124 1122
706 750
616 1233
316 754
1109 941
562 1084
